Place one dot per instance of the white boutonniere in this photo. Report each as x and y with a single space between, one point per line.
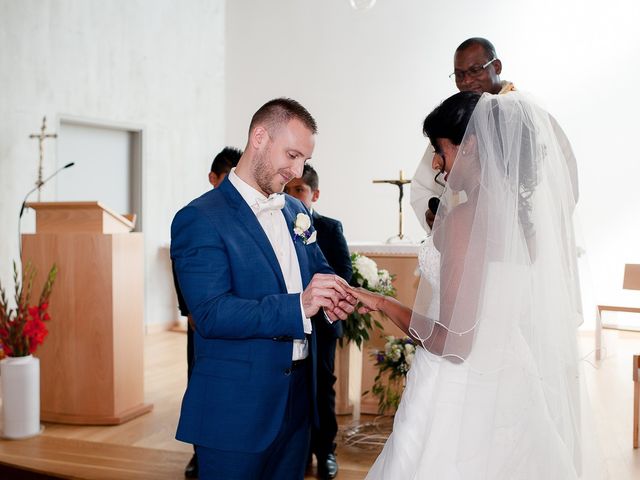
302 229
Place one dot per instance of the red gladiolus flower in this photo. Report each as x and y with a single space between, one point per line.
22 327
35 331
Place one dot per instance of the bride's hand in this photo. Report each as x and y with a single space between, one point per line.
370 302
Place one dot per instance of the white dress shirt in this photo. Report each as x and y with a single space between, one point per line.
275 227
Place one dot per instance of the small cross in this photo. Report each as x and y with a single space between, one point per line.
400 183
41 138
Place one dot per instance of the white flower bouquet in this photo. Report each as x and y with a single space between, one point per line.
395 360
366 274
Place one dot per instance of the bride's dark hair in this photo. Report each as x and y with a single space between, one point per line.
450 118
530 153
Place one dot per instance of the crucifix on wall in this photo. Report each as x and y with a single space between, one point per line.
400 183
42 136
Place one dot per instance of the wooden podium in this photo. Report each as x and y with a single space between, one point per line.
91 363
356 370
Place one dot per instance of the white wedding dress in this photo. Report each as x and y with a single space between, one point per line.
513 408
455 423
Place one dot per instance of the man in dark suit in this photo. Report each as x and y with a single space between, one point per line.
220 168
334 247
252 275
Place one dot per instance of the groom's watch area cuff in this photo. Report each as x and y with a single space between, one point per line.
306 322
326 317
301 347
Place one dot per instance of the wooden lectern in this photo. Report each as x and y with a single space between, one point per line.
400 260
91 363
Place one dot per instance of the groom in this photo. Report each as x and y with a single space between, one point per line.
252 276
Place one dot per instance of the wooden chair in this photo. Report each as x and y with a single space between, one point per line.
631 282
636 398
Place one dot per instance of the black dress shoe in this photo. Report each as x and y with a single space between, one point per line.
327 467
191 470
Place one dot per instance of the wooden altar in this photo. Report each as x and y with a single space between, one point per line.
355 370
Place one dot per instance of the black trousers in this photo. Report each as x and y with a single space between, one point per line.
323 437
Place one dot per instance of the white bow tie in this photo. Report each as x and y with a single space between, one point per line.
275 201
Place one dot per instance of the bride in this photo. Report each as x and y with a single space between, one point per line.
496 391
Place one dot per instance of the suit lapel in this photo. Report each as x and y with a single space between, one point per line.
290 215
250 223
315 216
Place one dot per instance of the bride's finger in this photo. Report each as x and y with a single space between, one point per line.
356 292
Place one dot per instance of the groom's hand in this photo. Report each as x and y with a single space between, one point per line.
329 292
341 311
346 305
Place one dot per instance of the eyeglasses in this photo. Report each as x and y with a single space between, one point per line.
473 71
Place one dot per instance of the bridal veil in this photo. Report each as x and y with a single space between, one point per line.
508 306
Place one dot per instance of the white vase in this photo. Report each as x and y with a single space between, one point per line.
20 397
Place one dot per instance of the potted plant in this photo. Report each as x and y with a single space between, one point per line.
22 330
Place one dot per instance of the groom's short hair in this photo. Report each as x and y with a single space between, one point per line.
280 111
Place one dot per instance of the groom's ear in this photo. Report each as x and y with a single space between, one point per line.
258 137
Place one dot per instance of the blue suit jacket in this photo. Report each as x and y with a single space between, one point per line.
245 321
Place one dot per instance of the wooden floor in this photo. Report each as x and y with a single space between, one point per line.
610 385
144 448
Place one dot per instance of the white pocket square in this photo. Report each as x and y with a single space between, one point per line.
312 237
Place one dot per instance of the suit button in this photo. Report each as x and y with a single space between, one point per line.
287 372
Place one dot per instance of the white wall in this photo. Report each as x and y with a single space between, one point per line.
370 77
158 64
